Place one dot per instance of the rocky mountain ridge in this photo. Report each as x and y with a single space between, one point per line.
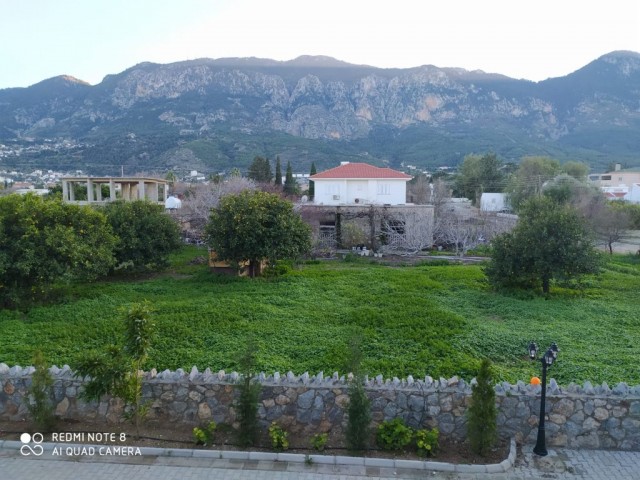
309 101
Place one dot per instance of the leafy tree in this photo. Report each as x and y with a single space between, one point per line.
146 233
550 241
290 185
43 241
482 413
577 170
256 225
529 179
260 170
278 180
312 184
479 174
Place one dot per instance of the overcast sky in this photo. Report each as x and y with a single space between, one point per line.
89 39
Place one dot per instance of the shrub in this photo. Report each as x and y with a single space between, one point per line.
41 395
482 413
247 403
319 441
146 234
359 410
278 437
204 435
394 435
427 442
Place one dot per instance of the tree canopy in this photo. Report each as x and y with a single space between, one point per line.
312 184
290 184
278 180
256 225
260 170
479 174
529 179
146 233
43 241
550 241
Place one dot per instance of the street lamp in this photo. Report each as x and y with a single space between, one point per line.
547 360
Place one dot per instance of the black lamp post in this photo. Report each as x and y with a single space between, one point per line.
547 359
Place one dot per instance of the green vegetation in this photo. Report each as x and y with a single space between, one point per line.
436 320
482 429
206 434
550 242
359 409
319 441
146 234
255 225
279 437
117 371
427 441
394 435
247 402
46 241
41 404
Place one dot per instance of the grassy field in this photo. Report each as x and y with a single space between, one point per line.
423 320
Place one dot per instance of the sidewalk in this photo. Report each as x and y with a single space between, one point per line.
561 464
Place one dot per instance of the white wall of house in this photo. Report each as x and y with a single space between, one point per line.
360 191
494 202
634 194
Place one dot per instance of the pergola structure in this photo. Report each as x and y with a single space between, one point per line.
120 188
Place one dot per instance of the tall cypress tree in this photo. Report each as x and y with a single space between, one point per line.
312 184
482 413
260 170
290 185
278 180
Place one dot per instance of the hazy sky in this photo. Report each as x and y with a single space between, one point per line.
89 39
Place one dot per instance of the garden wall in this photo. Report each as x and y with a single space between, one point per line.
577 416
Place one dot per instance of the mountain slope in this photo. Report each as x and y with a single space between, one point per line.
214 114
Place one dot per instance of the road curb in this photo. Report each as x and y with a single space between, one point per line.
394 463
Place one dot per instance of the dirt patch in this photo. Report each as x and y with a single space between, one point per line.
181 436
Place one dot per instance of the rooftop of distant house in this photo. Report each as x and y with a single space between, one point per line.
348 170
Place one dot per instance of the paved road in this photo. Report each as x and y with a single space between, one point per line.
560 464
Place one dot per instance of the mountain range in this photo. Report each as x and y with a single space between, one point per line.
213 115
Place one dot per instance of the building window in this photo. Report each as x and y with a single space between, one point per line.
384 189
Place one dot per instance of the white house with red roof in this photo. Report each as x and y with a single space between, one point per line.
360 184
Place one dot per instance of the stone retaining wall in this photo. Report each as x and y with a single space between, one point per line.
577 416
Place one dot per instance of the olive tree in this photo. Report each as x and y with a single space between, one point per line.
551 241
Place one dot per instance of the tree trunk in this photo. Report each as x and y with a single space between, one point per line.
545 285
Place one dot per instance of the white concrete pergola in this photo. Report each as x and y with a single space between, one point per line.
129 189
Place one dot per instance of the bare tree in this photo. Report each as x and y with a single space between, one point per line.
610 223
200 198
467 231
408 230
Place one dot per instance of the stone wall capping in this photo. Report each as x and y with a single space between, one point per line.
453 384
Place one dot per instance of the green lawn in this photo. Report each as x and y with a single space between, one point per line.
425 320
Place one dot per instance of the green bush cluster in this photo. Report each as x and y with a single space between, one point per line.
319 441
279 438
44 241
205 435
395 435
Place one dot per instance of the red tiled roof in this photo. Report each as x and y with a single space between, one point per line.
359 170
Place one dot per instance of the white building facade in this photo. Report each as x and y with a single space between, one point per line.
360 184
